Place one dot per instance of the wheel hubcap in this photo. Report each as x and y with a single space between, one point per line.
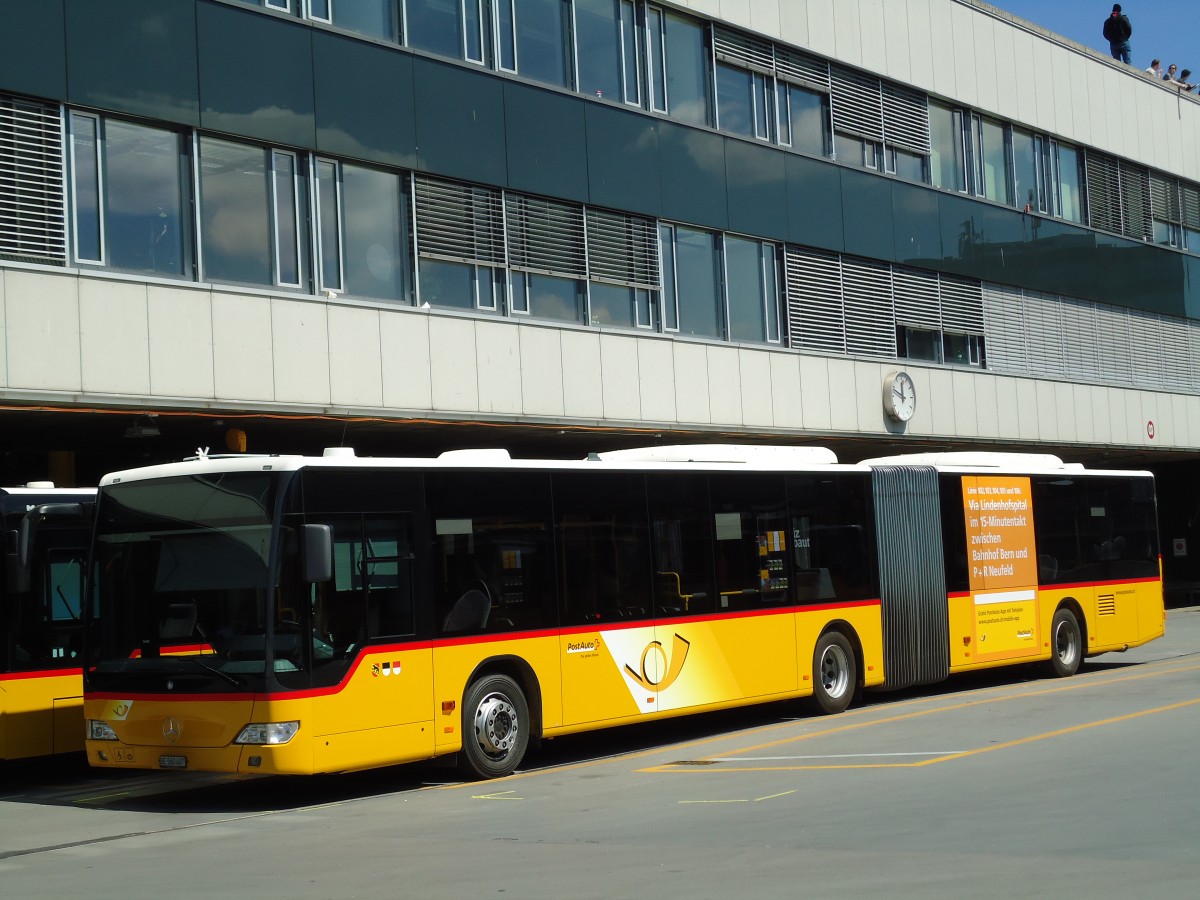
496 725
834 671
1064 643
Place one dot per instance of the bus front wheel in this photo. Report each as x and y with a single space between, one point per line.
495 727
835 675
1066 644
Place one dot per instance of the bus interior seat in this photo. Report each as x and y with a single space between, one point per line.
469 612
178 622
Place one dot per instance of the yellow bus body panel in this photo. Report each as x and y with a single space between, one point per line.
41 713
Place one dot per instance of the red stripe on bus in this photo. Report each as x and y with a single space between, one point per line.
41 673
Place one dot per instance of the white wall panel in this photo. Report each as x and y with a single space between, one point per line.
724 385
241 330
757 389
736 12
986 402
983 32
1119 424
1171 153
1081 412
843 395
895 62
620 378
1007 85
938 400
815 396
114 342
962 24
1080 74
821 31
1027 410
1101 425
1148 408
1008 414
1048 411
42 312
355 364
691 383
1064 402
941 33
793 24
300 333
3 334
656 365
873 38
847 25
787 404
764 15
1120 89
1043 72
453 366
181 342
1066 96
920 44
407 374
583 395
541 371
498 361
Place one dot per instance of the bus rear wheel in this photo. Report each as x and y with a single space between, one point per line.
495 727
1066 644
835 673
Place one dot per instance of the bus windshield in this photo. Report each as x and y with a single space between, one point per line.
182 577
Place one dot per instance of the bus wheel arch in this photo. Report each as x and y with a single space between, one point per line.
836 669
1068 644
501 717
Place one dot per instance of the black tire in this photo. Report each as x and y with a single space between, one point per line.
495 724
835 673
1066 644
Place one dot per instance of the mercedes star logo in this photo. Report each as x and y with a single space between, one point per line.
171 729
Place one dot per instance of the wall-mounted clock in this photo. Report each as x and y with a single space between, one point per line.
899 396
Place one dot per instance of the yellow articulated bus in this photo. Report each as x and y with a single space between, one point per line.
302 615
44 534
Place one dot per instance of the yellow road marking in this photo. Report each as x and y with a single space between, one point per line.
1091 679
755 800
100 797
499 795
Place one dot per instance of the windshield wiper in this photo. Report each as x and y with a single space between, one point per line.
236 682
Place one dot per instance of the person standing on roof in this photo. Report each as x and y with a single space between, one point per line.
1118 31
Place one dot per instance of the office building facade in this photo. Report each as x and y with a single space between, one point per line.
574 224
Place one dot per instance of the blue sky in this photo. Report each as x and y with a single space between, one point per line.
1167 29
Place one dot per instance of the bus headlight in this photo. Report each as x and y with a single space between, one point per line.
268 733
99 730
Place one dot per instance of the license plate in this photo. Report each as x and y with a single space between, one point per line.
172 762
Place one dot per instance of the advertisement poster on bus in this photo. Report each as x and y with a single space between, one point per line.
1002 561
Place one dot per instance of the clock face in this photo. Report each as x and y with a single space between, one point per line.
899 396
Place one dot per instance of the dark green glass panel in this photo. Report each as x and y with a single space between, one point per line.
963 248
918 235
460 122
140 61
36 63
547 153
692 168
757 184
867 210
1004 235
623 160
1192 288
256 75
376 124
1145 277
814 203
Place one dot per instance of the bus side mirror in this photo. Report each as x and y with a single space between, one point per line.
24 543
318 553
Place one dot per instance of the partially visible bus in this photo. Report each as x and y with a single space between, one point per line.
302 615
44 535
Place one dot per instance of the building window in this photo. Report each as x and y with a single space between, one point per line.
803 119
752 290
251 204
691 296
129 186
963 349
1026 193
990 150
548 296
433 25
599 41
685 58
744 102
947 164
362 232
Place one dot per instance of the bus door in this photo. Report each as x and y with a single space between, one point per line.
364 626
